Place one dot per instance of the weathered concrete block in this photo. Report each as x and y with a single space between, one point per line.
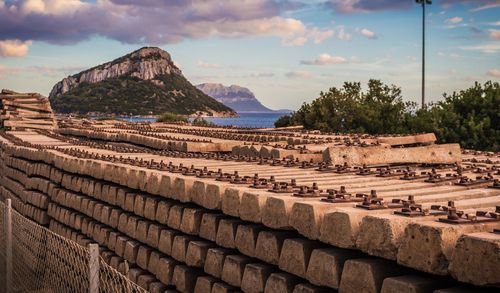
367 275
326 264
246 238
153 236
191 220
165 272
197 253
166 240
281 282
184 278
413 284
377 155
234 266
476 259
269 245
209 225
226 233
295 256
179 247
162 211
175 217
204 284
215 261
255 277
143 255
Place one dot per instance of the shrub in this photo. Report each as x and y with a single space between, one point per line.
171 117
469 117
200 121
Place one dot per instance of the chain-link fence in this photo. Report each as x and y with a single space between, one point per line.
38 260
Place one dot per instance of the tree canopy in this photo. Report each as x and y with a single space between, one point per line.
470 117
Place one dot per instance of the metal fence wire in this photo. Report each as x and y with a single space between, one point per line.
43 261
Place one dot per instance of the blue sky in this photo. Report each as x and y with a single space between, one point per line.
286 52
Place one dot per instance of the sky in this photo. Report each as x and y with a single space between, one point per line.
285 51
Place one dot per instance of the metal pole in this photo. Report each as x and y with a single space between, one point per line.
423 54
93 268
8 254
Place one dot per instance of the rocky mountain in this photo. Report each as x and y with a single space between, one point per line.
143 82
236 97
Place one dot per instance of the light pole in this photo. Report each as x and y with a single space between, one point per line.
423 2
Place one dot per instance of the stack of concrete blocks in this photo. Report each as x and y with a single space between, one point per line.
169 232
26 111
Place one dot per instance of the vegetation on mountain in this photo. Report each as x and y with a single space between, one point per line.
143 82
470 117
128 95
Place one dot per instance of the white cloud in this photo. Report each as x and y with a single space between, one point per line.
14 48
494 72
454 20
203 64
368 33
318 36
342 34
487 48
485 7
325 59
495 34
298 74
144 22
56 7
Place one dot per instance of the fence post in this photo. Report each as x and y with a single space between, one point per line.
8 246
93 268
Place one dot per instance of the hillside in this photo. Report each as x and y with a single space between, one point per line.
239 98
143 82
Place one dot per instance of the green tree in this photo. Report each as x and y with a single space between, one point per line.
470 117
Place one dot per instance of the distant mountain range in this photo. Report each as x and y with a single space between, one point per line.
143 82
238 98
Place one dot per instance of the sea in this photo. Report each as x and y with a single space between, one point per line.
252 120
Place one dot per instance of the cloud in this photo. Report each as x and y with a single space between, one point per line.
14 48
325 59
361 6
486 7
487 48
495 34
50 6
298 74
203 64
342 34
365 6
155 22
53 71
45 70
494 73
368 33
454 20
261 74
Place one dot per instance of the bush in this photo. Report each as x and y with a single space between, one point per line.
283 121
171 117
470 117
200 121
